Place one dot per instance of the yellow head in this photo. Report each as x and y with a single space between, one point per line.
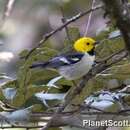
84 44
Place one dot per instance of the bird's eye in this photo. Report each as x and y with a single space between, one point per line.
87 43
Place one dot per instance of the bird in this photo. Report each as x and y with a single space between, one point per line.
74 65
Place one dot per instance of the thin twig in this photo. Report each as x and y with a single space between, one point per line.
109 57
82 108
66 27
20 126
89 19
71 20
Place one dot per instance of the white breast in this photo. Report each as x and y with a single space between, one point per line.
78 69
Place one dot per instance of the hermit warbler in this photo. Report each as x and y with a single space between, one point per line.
73 66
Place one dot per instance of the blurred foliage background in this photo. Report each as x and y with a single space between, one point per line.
22 30
31 19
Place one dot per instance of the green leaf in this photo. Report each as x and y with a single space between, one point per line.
109 47
25 73
24 53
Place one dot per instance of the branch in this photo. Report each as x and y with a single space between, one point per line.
71 20
89 19
93 72
77 91
68 118
119 11
125 112
72 118
20 126
66 28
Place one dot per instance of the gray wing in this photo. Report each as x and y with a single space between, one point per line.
59 61
65 60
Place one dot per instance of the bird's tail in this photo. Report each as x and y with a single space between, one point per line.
41 65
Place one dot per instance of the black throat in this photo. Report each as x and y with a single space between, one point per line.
92 52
